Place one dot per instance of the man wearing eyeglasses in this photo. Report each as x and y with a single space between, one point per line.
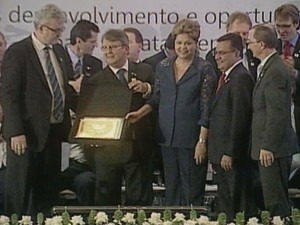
229 132
287 23
273 139
239 23
137 77
34 83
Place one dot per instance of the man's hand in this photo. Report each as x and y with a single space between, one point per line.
138 86
18 144
76 84
133 117
289 62
226 162
266 158
200 153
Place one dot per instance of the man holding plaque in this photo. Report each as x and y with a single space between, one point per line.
130 158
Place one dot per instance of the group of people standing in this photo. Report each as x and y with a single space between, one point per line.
233 109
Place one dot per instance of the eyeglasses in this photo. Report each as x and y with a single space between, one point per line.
221 53
110 47
283 26
57 31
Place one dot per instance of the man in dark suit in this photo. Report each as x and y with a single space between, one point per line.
167 51
83 40
137 77
239 23
273 138
36 116
135 43
230 123
288 46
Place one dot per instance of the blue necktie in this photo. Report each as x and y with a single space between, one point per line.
58 106
121 76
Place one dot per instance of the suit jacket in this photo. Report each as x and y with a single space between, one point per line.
90 65
271 123
184 106
140 130
230 122
296 57
252 62
155 59
25 94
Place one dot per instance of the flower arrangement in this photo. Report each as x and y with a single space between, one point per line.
140 218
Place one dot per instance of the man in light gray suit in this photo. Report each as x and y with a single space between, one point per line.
273 139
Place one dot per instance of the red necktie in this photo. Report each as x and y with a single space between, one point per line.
287 49
221 81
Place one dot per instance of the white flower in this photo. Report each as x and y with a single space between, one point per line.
179 217
190 222
203 220
101 218
213 223
252 221
145 223
231 223
26 220
277 220
77 220
56 220
4 220
155 219
128 218
167 223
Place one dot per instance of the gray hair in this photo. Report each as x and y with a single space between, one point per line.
48 12
115 35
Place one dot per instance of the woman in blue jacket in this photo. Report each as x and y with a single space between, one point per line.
184 89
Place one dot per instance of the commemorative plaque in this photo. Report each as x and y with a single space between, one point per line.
100 116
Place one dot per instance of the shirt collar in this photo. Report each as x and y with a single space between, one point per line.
264 61
73 56
38 44
125 66
227 72
294 40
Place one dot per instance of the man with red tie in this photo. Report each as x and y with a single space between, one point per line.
288 46
229 132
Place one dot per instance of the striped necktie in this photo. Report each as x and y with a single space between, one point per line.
121 76
78 68
58 104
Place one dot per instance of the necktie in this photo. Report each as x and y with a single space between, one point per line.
58 105
287 49
221 81
78 68
121 76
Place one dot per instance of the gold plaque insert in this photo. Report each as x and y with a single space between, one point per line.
100 128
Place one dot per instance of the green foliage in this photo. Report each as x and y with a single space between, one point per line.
65 218
265 217
118 215
40 218
91 217
240 218
167 215
14 219
141 217
193 214
222 219
295 216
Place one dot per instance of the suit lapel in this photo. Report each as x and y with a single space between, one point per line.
261 76
227 82
296 53
36 62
